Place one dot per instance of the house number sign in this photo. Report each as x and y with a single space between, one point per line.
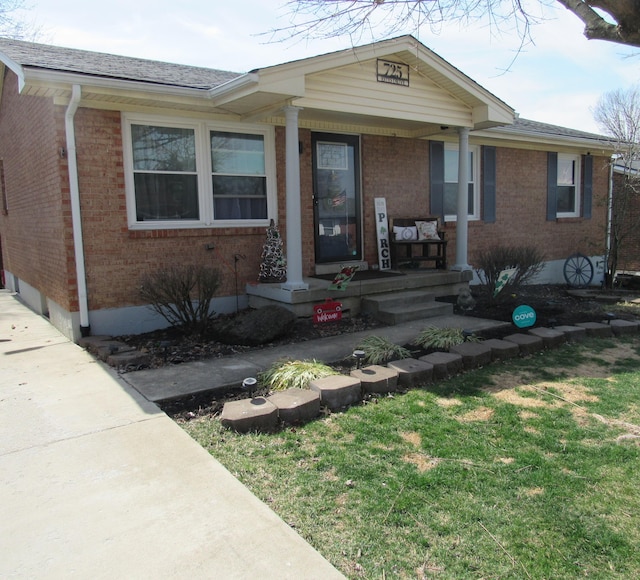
395 73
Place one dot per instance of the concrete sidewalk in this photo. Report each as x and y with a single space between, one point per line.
221 374
98 483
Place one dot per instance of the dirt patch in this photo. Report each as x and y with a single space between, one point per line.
448 402
422 462
479 414
412 438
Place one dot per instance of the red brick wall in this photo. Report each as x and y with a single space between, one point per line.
35 232
116 258
398 170
521 210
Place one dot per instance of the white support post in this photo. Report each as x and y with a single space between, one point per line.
293 206
462 217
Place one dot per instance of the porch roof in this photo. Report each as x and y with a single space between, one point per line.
339 91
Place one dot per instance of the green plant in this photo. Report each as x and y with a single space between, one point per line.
527 261
379 350
182 295
294 374
442 338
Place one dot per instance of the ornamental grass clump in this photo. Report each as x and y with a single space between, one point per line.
379 350
442 338
294 374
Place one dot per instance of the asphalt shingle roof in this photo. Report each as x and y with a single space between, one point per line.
43 56
530 127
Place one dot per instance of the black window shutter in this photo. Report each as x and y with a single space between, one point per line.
552 185
587 188
436 178
489 184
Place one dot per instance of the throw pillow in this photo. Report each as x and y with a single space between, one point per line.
405 233
428 230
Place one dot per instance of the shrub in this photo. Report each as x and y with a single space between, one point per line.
528 262
182 295
442 338
379 350
294 374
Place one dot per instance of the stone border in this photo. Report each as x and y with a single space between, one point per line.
338 392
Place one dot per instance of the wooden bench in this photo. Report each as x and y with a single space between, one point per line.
404 250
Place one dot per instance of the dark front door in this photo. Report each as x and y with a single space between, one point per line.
336 183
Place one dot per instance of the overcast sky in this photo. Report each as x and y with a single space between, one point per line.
556 80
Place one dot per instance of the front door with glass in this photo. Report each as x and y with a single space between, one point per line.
336 177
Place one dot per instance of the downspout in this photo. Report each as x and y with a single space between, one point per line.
74 192
609 228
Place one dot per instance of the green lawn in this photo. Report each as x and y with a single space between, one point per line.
527 469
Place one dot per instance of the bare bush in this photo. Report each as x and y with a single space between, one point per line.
182 295
527 261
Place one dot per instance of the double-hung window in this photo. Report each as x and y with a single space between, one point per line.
451 157
239 176
198 173
164 173
568 186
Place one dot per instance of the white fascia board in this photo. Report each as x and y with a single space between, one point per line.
511 135
234 88
252 83
16 68
47 77
487 115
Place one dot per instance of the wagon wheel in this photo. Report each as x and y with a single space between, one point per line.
578 271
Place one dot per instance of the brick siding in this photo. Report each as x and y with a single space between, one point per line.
37 236
36 231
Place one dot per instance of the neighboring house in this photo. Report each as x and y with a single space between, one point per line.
114 166
625 216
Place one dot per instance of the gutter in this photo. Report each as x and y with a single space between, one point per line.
609 224
74 191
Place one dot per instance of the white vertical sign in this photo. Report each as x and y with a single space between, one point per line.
382 232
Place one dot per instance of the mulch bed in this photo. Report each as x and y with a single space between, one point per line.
553 304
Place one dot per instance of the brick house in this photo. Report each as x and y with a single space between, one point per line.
112 166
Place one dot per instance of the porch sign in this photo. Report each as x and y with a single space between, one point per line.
382 232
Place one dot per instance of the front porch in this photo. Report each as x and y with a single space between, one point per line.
430 282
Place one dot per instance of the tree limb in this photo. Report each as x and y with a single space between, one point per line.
626 13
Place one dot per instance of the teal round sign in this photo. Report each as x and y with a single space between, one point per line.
524 316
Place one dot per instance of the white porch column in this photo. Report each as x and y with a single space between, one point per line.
462 217
293 208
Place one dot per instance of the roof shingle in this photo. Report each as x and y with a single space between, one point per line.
43 56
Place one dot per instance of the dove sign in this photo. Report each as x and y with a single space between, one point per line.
524 316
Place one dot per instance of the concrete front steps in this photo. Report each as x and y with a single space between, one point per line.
397 307
338 392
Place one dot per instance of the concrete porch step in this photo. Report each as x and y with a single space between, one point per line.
397 307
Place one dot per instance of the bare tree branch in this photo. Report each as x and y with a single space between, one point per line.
323 19
618 115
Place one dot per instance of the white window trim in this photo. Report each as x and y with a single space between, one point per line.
577 185
204 171
475 149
